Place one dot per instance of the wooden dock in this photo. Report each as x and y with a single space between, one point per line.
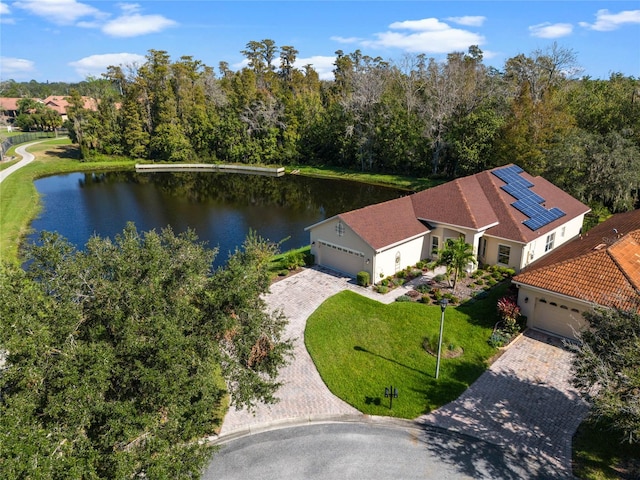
209 167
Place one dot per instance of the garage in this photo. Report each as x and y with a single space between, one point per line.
557 318
340 258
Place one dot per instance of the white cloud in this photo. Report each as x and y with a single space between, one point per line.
346 39
324 65
551 30
606 21
132 24
430 24
428 35
4 11
95 65
4 8
10 66
61 12
468 20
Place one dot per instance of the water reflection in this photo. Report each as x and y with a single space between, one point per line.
220 207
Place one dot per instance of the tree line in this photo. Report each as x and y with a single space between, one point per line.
416 116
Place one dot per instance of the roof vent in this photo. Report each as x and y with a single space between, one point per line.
600 246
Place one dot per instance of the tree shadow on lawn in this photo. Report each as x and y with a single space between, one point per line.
362 349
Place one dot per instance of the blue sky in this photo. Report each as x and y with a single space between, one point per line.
68 40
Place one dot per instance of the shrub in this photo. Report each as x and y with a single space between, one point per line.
491 281
451 297
476 274
293 260
384 282
283 273
401 274
479 281
397 282
498 339
362 278
404 298
423 288
440 278
425 299
382 289
413 294
421 264
437 294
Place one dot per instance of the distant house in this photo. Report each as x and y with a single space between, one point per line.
601 267
509 217
60 104
9 107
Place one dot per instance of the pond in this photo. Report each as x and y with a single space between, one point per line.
220 207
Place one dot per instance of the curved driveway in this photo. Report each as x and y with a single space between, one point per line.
523 404
26 158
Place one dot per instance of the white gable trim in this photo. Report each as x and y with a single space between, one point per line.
437 222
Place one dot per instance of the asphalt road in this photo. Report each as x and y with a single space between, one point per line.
353 451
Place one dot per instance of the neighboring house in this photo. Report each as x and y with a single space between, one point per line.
601 267
509 217
9 107
60 104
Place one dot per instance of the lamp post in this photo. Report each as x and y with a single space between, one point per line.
443 305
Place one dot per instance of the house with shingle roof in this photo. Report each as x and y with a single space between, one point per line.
601 267
509 217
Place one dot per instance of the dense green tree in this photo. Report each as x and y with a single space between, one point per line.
114 354
606 369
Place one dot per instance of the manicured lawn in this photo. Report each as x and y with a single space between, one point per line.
360 346
598 455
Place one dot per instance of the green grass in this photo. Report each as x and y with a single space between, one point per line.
360 346
397 181
19 199
597 454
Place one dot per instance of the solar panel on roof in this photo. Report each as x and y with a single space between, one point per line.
527 201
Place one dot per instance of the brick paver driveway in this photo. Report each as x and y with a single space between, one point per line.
523 403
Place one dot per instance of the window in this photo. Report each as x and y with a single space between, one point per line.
504 252
550 239
435 245
340 229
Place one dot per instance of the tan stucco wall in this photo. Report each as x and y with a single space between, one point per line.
326 232
410 254
536 248
491 255
566 314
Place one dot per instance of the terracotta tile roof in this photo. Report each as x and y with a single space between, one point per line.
602 267
9 104
59 103
386 223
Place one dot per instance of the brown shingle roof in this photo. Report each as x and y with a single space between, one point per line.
460 202
602 267
511 220
386 223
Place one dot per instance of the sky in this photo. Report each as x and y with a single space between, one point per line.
71 40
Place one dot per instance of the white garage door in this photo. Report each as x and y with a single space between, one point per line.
556 318
340 259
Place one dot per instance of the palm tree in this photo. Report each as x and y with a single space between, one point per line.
456 255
